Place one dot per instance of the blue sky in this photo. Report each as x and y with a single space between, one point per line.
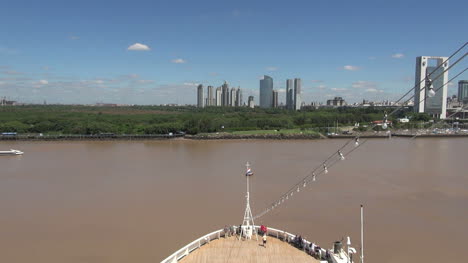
78 51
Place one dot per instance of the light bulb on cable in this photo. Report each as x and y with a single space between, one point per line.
313 177
341 155
325 169
431 93
356 142
384 124
305 184
298 189
430 87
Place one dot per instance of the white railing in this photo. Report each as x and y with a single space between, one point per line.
286 236
199 242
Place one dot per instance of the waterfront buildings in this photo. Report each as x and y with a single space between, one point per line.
275 99
266 92
336 102
289 94
200 100
222 96
297 93
435 105
5 102
463 91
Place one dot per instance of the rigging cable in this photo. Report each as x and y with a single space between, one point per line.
323 167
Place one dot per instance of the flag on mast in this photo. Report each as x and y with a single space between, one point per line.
249 172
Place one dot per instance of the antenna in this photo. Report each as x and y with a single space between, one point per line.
248 225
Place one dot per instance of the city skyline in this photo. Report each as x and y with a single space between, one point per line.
152 53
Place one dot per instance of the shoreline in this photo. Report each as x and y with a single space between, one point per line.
225 136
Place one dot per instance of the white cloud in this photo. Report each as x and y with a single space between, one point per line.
317 81
12 72
74 37
43 82
179 61
272 68
362 84
145 81
139 47
321 87
190 84
373 90
339 89
351 68
398 55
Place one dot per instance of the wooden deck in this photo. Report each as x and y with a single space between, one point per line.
231 250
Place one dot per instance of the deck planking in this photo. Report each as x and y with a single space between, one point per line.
231 250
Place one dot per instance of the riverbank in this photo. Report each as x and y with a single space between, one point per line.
220 136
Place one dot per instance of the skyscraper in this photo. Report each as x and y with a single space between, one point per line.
218 96
297 94
225 94
463 91
275 99
436 105
210 100
289 94
251 102
233 97
200 100
266 92
238 97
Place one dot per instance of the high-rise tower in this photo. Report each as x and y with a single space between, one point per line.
266 92
435 105
210 100
289 94
200 100
297 94
225 94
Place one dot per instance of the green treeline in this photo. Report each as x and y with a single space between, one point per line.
66 119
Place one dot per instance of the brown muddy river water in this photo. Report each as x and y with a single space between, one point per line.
141 201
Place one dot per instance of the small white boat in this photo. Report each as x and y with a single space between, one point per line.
11 152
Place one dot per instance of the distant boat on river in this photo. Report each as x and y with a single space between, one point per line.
11 152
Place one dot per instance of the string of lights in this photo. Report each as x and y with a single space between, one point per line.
340 156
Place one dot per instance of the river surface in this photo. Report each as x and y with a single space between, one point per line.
99 202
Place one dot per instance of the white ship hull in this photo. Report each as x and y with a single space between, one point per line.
11 152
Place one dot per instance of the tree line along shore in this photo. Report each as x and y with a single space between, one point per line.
54 120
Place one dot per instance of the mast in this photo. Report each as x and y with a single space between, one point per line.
362 234
248 225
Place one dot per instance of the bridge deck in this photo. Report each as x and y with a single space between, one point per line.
231 250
